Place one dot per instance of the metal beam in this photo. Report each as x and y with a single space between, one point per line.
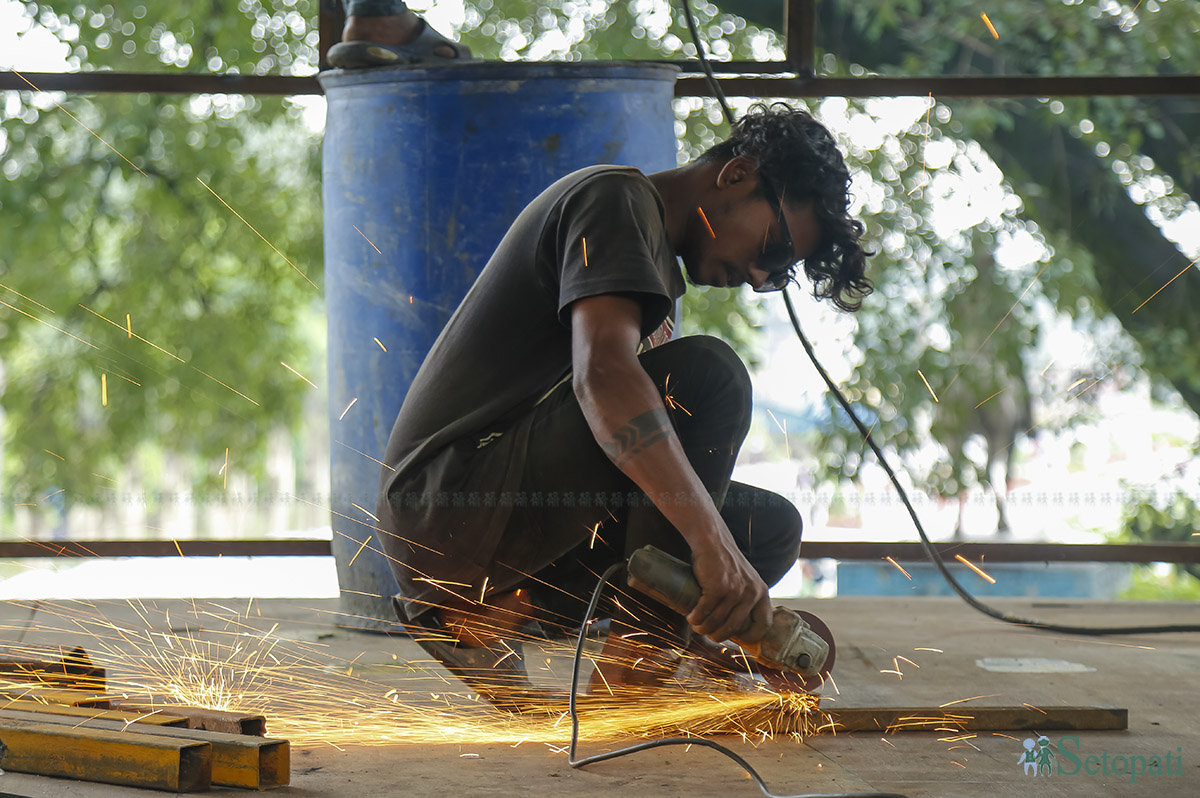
16 691
111 757
76 714
238 760
967 719
61 668
800 35
1008 552
301 547
768 81
949 86
214 720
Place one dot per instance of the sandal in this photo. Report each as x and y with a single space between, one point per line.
364 54
498 675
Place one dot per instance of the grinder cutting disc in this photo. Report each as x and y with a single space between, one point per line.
825 634
811 684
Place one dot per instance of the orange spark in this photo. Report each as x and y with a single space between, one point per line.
909 661
347 410
101 476
898 673
990 26
364 454
595 534
360 548
893 562
973 567
670 400
129 325
924 150
27 299
85 127
705 219
130 332
990 398
59 456
224 385
585 260
1031 706
176 542
364 235
935 650
260 235
381 346
972 698
301 376
960 764
52 495
1159 291
225 471
104 390
927 385
1048 365
374 517
48 324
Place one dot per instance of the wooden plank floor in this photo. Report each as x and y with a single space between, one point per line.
954 653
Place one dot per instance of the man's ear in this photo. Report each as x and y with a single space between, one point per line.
736 170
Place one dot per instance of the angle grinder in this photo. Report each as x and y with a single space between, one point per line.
797 641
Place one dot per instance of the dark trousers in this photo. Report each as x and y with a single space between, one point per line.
591 515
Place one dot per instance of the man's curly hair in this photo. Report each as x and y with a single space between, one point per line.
803 162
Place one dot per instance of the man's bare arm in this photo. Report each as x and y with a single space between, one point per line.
627 416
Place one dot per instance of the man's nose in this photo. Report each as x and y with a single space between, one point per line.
756 277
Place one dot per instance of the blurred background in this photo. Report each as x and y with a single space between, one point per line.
1015 359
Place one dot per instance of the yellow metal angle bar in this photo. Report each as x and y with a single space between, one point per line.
162 763
76 714
53 695
238 760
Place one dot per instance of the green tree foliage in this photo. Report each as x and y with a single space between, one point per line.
127 223
1152 520
1091 177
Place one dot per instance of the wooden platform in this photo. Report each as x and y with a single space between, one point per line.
950 654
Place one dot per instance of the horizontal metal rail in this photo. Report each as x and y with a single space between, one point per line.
776 82
1185 553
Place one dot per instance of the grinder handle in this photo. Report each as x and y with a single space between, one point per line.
664 578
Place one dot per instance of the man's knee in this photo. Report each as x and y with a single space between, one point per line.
703 370
719 358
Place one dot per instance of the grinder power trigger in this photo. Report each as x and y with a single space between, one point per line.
797 641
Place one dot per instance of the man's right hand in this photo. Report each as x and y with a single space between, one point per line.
733 598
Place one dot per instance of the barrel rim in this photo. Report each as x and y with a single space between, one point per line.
500 71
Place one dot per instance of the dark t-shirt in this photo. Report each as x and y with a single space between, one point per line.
457 450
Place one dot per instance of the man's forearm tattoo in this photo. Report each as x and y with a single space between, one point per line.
637 436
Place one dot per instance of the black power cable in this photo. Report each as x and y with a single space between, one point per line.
933 553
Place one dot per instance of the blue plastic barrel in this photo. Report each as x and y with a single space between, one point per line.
424 170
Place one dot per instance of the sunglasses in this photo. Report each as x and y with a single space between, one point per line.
778 259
